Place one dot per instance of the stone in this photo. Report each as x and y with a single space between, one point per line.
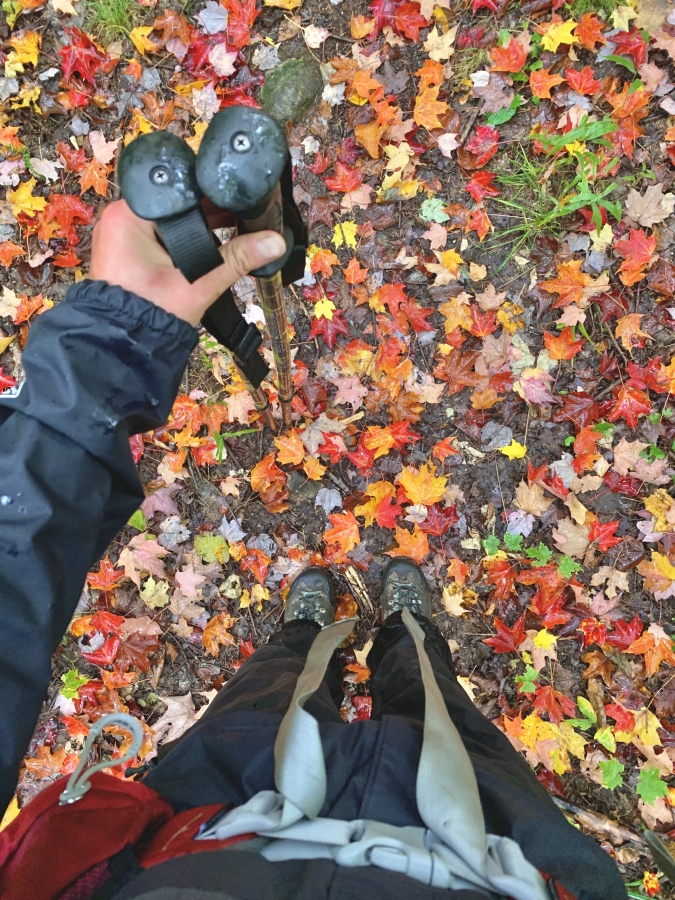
290 89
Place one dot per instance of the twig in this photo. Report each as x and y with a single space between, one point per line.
469 125
600 824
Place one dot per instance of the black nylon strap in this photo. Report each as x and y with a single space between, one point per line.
190 244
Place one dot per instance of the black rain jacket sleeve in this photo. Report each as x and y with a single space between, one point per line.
102 365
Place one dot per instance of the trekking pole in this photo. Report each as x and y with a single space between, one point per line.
240 164
157 178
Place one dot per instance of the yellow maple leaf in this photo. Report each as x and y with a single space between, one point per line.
284 4
139 38
646 729
559 34
291 449
659 504
314 470
451 260
22 200
344 233
456 312
194 142
26 48
514 450
424 486
663 565
324 308
544 640
621 17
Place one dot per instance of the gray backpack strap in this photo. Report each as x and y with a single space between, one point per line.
299 767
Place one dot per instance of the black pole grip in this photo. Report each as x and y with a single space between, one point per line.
240 163
157 178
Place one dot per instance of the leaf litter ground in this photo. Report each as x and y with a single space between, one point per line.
483 371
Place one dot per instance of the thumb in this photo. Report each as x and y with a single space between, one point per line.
241 255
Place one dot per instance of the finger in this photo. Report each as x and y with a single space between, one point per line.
240 256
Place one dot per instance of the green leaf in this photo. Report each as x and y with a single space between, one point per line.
569 440
603 427
513 542
72 682
612 770
649 785
584 724
652 453
540 555
605 736
212 548
220 445
138 520
491 544
432 210
527 682
568 567
587 709
506 113
622 61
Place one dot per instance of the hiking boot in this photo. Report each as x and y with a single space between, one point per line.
312 596
404 586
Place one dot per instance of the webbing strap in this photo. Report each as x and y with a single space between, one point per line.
189 242
447 791
299 767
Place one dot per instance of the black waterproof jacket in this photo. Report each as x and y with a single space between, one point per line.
100 366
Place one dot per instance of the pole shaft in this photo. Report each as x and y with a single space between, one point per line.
271 293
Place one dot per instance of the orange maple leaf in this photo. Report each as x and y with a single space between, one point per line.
563 346
344 533
216 634
364 84
509 58
361 27
656 647
430 73
569 284
8 250
637 252
291 449
428 108
368 136
444 448
95 176
458 570
354 274
323 261
542 81
628 329
379 439
314 469
422 486
415 545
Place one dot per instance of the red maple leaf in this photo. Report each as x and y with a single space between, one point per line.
637 250
438 520
483 144
481 186
81 56
137 446
563 346
592 632
401 433
622 484
629 404
345 179
482 323
484 4
75 160
632 43
362 457
604 534
509 58
241 16
68 211
409 20
320 163
384 13
503 575
579 408
386 512
554 703
507 640
333 446
584 81
417 315
329 328
6 381
625 632
624 718
611 305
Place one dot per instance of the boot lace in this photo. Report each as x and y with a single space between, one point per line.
405 595
311 604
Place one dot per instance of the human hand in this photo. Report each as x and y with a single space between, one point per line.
127 254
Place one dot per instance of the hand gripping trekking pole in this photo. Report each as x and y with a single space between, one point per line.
243 165
157 179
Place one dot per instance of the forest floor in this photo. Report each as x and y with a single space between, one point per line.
483 373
